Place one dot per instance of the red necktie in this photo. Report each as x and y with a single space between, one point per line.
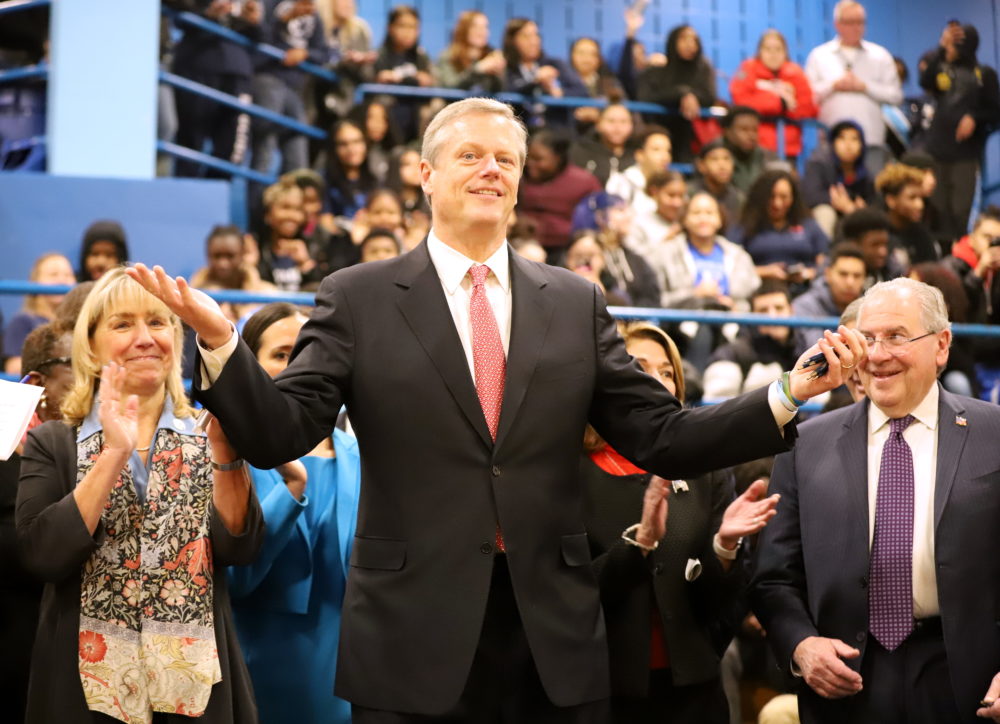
488 359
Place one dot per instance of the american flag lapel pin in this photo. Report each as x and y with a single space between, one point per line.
961 421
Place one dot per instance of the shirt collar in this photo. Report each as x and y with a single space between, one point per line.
860 48
452 265
182 425
926 412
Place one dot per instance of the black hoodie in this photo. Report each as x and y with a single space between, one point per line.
962 87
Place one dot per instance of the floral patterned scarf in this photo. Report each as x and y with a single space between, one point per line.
147 632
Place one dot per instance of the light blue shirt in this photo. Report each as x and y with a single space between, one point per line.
140 471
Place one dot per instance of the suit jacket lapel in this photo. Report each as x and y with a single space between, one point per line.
425 308
854 445
951 442
531 312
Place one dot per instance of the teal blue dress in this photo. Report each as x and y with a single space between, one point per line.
287 604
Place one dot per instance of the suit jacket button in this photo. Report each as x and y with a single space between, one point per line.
485 548
657 569
860 637
495 470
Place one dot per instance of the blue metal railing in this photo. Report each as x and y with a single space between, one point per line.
182 17
27 72
660 315
232 101
189 154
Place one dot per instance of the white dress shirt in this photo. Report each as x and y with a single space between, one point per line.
922 438
874 65
452 268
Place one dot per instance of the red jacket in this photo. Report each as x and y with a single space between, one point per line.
745 92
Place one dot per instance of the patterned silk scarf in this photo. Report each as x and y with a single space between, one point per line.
147 632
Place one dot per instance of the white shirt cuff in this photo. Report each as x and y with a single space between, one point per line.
213 360
782 415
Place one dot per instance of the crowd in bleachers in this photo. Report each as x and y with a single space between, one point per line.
682 210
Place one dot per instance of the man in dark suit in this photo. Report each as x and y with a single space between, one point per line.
878 582
469 375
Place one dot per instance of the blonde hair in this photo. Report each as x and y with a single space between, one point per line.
115 290
33 302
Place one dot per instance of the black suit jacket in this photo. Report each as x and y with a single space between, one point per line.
434 484
698 615
812 565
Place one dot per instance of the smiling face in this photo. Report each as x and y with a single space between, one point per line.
286 215
702 220
899 379
908 204
139 337
473 182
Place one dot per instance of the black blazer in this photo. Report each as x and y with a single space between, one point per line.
812 559
434 484
698 616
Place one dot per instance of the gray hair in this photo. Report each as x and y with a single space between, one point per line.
933 311
435 135
850 313
841 6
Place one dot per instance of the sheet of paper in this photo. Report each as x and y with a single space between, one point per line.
17 404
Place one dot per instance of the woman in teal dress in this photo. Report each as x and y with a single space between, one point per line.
287 604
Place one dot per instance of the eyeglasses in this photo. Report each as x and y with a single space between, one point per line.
893 341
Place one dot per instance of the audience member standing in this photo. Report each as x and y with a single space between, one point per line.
47 364
293 26
685 85
104 247
670 582
471 592
773 85
870 580
220 64
967 107
851 78
287 603
401 61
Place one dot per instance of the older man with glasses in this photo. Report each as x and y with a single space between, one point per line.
878 581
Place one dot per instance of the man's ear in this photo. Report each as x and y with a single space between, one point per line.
426 177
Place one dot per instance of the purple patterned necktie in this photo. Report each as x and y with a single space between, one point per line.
890 589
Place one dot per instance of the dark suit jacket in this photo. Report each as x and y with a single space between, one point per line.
698 616
434 484
812 566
